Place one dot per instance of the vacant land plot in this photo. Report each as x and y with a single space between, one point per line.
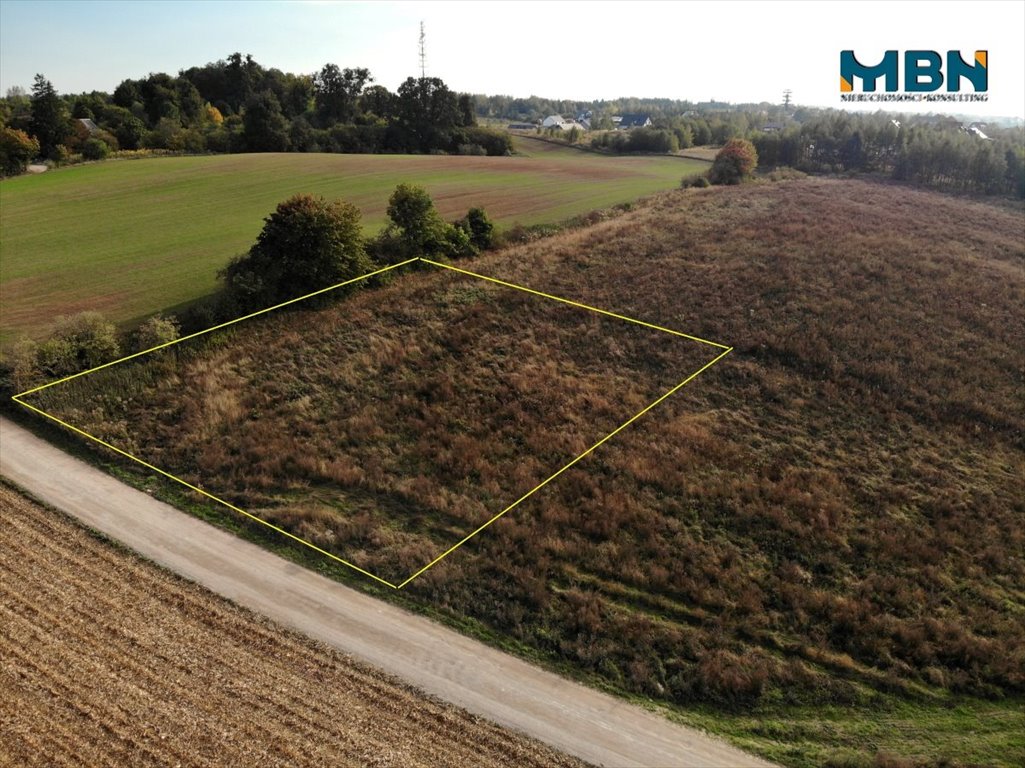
389 426
107 661
132 238
819 545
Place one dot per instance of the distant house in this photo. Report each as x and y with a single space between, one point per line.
553 121
975 129
634 121
772 127
89 124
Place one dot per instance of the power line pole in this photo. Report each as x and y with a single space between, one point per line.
423 52
786 99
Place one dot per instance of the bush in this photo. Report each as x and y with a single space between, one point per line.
78 343
156 331
95 149
735 162
699 181
18 370
17 149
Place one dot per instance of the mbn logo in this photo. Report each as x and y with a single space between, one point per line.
923 71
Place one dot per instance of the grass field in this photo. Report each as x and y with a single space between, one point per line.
132 238
815 550
109 661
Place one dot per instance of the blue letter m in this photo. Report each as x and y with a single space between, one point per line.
851 68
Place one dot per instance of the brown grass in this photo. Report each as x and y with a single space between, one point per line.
108 661
834 509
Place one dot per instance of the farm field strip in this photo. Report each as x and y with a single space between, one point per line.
110 661
132 238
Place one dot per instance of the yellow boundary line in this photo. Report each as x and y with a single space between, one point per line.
576 304
314 547
586 453
201 491
217 327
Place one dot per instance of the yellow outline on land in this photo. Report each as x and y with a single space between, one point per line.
725 351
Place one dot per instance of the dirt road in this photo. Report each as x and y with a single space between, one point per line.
581 721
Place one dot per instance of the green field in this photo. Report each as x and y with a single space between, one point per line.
131 238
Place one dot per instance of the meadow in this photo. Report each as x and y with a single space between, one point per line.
815 549
134 237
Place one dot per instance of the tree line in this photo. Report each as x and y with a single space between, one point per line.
238 105
929 152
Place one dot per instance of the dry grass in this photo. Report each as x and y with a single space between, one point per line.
832 512
108 661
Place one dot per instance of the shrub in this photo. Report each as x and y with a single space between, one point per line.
735 162
95 149
18 370
156 331
700 181
78 343
17 149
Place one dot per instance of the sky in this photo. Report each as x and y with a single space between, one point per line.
728 51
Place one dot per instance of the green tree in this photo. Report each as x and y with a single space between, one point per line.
266 129
337 92
378 100
480 228
306 244
417 228
734 163
17 149
49 116
427 111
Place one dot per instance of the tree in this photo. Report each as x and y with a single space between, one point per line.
17 149
337 92
379 101
480 228
306 244
419 229
49 116
266 129
734 163
427 110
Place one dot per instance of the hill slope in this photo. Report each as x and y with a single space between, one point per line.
829 517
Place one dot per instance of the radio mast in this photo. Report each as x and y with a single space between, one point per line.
423 52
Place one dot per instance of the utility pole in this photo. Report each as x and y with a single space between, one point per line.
423 52
786 99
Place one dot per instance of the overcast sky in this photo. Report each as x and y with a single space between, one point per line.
729 51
